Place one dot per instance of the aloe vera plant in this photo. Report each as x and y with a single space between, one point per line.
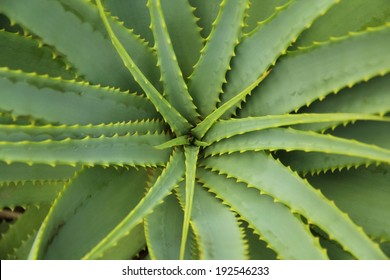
195 129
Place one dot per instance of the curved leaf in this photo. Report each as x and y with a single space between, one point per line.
228 128
19 52
216 228
79 20
18 239
364 194
163 230
115 150
68 231
271 177
205 83
290 139
21 173
175 89
261 10
191 158
29 193
261 48
370 97
273 221
178 124
206 12
345 17
68 102
15 133
170 177
304 76
184 32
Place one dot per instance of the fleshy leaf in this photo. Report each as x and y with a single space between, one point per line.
27 54
207 12
261 48
184 32
115 150
214 224
290 139
68 102
178 124
29 193
191 157
175 89
370 97
15 133
206 81
76 31
170 177
18 239
362 193
261 10
228 128
306 75
21 172
68 231
271 177
134 14
275 223
163 230
345 17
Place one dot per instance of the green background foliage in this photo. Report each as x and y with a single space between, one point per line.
194 129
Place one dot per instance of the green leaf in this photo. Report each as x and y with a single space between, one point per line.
15 133
376 133
206 81
216 228
346 17
29 193
68 231
178 141
174 119
134 14
206 12
29 55
370 97
129 246
261 48
184 33
201 129
261 10
175 89
315 162
228 128
115 150
273 221
191 157
362 193
290 139
271 177
163 231
170 177
304 76
68 102
79 20
21 173
22 232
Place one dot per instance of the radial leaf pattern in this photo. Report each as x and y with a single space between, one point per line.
194 129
